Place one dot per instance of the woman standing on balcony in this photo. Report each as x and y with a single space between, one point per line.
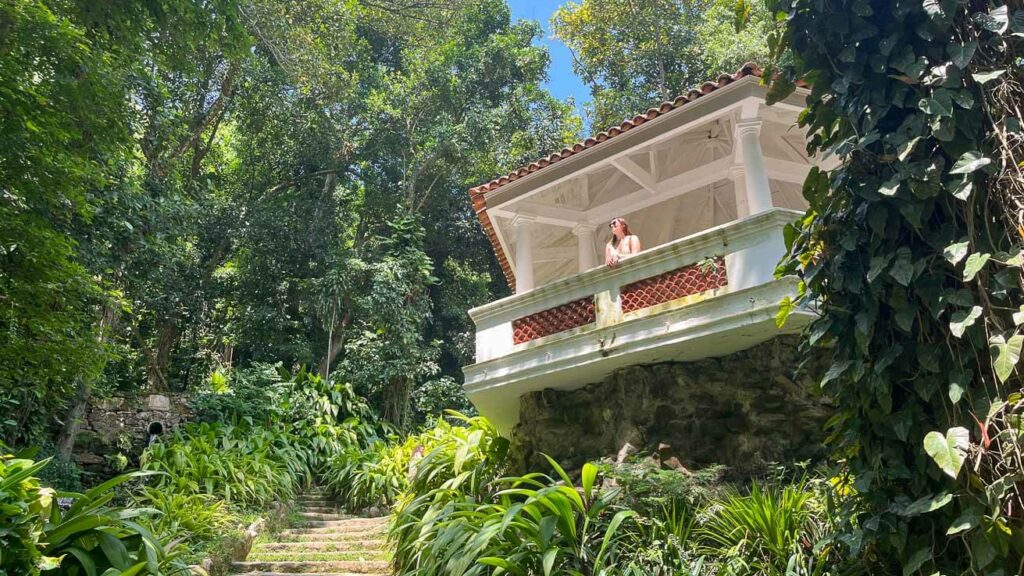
623 243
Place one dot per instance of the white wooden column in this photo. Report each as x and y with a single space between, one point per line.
523 225
748 146
738 174
585 255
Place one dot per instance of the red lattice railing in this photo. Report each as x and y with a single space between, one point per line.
554 320
678 283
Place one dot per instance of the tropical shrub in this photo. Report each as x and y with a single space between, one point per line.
238 464
325 416
378 474
756 533
194 517
89 537
24 507
533 524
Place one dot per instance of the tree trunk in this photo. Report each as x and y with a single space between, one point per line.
83 393
159 358
396 402
73 423
334 348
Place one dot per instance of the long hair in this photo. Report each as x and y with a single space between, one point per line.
625 232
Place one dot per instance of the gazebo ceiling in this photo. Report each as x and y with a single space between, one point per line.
674 179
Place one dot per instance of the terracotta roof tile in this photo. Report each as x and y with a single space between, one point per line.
477 193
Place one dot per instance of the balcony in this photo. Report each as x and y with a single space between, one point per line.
704 295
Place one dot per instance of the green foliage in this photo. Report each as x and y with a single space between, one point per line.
240 465
648 488
758 532
637 54
90 536
195 517
910 251
190 187
324 416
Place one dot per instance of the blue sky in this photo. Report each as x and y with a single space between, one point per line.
562 83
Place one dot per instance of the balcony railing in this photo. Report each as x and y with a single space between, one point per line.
708 294
729 257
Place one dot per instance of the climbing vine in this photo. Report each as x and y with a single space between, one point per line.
911 250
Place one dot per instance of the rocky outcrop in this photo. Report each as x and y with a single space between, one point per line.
743 410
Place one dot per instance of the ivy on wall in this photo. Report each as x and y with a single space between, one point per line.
911 250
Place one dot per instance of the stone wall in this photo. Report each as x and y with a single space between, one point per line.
122 424
743 410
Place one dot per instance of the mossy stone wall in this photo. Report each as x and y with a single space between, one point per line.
744 410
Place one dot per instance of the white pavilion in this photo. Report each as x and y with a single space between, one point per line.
707 181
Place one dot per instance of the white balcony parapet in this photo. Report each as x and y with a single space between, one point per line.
716 314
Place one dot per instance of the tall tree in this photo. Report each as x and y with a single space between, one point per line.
636 53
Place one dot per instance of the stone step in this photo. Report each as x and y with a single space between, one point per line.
324 516
326 508
321 545
313 567
316 573
319 556
327 535
346 523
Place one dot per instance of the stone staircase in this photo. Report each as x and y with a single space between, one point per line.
326 544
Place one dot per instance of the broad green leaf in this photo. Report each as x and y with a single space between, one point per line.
1018 317
966 521
995 20
785 309
949 450
902 269
939 104
549 560
1007 355
986 77
954 253
975 262
956 391
889 188
84 559
962 53
962 189
927 504
963 319
916 560
969 162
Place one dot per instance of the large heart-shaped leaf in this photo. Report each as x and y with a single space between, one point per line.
969 162
975 262
1007 354
954 253
963 319
949 450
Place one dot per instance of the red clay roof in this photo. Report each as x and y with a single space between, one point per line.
477 193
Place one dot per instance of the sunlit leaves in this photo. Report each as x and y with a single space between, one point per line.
1007 354
975 263
986 77
948 450
954 253
916 243
963 319
969 162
